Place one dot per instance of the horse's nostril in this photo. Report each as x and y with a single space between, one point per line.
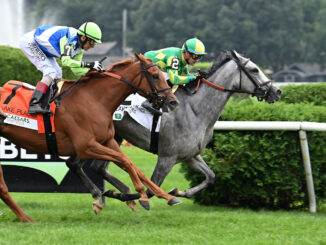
279 92
174 103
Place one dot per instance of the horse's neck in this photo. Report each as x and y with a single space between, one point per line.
208 103
111 92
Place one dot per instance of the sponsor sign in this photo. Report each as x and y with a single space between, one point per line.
26 171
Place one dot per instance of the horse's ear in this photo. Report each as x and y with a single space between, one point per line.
235 54
138 56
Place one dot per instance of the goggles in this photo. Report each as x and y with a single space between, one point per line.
92 42
196 56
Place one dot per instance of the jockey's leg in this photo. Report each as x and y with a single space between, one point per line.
47 65
38 95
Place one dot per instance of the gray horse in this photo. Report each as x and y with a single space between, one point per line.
185 132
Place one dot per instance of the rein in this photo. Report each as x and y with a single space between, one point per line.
204 80
259 92
153 95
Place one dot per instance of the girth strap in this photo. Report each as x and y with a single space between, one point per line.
51 140
154 135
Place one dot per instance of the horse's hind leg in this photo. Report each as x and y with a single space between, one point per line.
5 196
76 165
198 164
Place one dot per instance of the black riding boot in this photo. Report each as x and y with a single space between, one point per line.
35 104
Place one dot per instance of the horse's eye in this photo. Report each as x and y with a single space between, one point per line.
254 70
155 76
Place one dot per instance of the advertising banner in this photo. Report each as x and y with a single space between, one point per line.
29 172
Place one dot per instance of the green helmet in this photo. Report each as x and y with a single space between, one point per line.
91 30
194 46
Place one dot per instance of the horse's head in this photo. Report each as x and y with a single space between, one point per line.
254 81
160 94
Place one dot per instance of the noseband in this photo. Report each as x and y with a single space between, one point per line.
259 92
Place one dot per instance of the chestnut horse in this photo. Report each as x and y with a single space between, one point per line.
84 125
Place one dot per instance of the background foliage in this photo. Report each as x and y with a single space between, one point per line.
16 66
272 33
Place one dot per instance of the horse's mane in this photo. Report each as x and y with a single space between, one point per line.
222 59
120 64
114 67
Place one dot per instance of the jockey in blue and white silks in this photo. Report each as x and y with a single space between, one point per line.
46 43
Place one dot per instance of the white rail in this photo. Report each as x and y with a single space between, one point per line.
301 127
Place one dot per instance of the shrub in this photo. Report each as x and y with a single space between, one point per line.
305 93
16 66
263 169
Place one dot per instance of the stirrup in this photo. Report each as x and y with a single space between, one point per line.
148 106
37 109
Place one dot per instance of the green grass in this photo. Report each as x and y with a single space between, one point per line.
69 219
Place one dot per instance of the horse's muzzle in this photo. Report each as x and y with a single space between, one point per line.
273 94
170 104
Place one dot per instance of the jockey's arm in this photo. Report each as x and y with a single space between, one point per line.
74 63
173 72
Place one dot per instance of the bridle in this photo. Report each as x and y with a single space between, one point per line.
154 96
259 92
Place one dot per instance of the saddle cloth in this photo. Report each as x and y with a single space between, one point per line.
14 103
132 106
16 95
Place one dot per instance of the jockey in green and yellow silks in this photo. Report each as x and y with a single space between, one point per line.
173 62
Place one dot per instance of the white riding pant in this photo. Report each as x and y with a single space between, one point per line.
47 65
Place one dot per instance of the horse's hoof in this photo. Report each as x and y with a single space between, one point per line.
109 193
144 204
174 201
27 219
132 205
98 206
174 191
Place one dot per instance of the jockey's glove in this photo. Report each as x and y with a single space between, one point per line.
201 75
96 65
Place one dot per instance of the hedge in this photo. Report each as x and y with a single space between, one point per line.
263 169
15 66
305 93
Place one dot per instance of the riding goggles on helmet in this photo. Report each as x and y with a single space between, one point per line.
92 42
196 56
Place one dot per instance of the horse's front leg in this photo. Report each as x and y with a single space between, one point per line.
163 167
101 168
5 196
113 153
76 166
198 164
